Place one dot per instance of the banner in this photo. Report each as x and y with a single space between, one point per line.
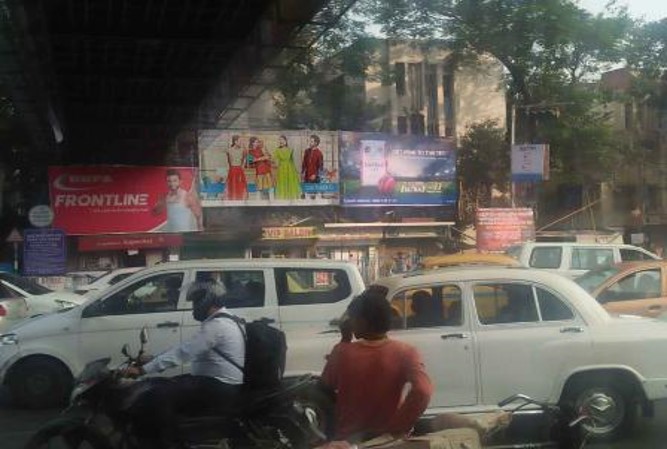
378 169
128 241
530 163
500 228
268 168
118 200
44 252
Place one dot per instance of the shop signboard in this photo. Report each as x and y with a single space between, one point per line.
530 163
129 242
379 169
44 252
268 168
284 233
500 228
124 199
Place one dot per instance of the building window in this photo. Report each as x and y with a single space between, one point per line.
415 84
432 100
448 101
417 124
399 72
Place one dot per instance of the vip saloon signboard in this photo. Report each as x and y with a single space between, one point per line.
124 199
268 168
378 169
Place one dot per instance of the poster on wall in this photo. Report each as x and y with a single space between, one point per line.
379 169
500 228
268 168
44 252
124 199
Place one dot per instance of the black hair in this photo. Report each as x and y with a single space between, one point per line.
374 309
235 138
316 138
173 172
282 136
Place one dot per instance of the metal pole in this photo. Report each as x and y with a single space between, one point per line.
16 257
512 140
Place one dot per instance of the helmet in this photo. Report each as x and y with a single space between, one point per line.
205 295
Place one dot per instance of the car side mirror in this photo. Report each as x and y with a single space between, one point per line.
143 336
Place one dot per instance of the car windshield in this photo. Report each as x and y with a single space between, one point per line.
592 279
27 285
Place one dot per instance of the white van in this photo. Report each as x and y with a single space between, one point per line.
40 357
574 259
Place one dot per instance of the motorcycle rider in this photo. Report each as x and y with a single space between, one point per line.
213 386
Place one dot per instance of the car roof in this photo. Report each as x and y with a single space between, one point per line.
212 263
595 244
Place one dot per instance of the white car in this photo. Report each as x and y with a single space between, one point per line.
39 357
486 333
39 299
572 259
106 280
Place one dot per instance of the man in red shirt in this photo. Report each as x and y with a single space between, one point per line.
313 161
369 376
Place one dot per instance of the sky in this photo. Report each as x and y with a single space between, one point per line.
649 10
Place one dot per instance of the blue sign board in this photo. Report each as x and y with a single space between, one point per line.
44 252
379 169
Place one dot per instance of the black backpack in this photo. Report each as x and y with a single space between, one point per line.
265 353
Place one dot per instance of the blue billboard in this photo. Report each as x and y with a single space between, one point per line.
380 169
44 252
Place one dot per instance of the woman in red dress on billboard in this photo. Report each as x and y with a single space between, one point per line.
236 187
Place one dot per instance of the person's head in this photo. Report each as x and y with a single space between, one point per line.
252 142
421 302
235 139
370 316
173 179
282 141
314 140
206 298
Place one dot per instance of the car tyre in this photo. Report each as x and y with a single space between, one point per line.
39 382
609 403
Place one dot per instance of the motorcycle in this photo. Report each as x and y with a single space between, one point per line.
101 406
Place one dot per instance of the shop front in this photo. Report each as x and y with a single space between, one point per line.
108 252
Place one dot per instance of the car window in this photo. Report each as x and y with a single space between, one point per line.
643 284
552 308
157 293
119 277
498 303
245 288
302 286
592 279
427 307
7 292
628 255
591 258
27 285
546 257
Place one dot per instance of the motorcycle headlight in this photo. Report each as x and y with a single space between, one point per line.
8 339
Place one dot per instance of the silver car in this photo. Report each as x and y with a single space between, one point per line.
12 308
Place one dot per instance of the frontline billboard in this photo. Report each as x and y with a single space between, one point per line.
124 199
379 169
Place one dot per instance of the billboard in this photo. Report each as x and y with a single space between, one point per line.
124 199
268 168
379 169
44 252
530 163
500 228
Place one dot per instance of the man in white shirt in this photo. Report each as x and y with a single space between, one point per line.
217 356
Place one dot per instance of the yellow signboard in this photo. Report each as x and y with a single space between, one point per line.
288 233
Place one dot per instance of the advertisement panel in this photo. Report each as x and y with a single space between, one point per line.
44 252
530 163
123 199
268 168
379 169
500 228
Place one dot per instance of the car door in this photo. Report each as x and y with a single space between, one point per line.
528 339
249 295
151 303
434 319
638 293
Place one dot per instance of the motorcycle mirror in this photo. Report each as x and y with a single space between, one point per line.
143 336
125 350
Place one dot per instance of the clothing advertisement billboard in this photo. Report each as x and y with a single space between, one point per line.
500 228
379 169
268 168
124 199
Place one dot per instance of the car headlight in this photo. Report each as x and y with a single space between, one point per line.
9 339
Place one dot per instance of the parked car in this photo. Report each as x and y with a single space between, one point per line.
39 299
637 288
574 259
40 357
107 279
488 332
12 310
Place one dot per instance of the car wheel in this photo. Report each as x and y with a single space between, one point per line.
39 382
609 404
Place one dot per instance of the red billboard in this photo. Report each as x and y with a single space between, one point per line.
122 199
498 228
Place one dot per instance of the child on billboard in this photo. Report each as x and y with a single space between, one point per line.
261 162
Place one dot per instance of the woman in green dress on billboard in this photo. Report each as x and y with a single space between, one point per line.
288 185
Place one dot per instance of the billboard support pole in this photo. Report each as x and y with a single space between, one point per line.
512 140
16 257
